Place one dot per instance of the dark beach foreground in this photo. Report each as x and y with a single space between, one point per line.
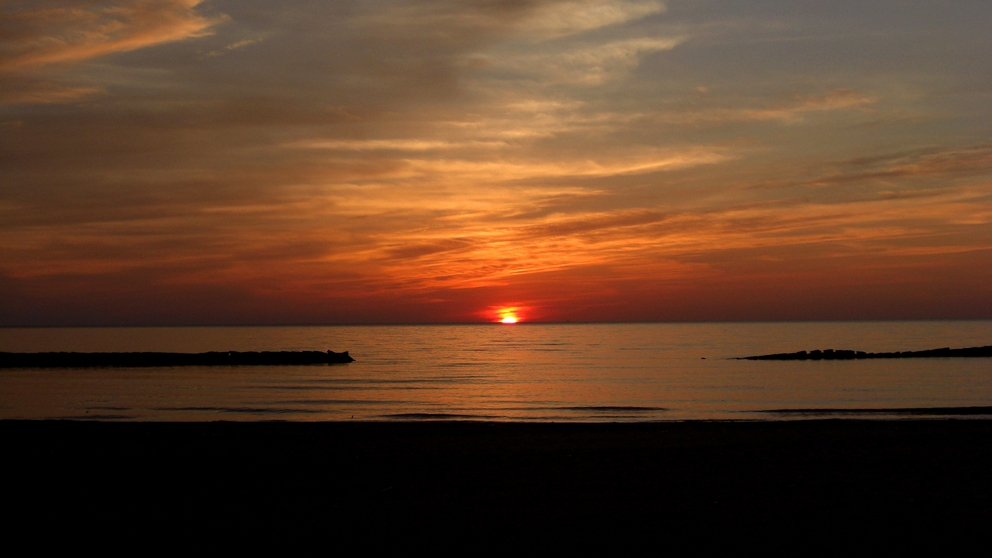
822 482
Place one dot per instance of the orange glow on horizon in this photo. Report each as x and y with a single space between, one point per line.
507 314
559 179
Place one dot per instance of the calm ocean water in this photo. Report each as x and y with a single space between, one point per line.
531 372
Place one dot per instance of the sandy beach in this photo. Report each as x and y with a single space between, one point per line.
825 480
560 276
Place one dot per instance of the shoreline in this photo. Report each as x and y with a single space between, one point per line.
264 415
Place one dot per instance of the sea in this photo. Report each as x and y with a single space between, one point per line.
613 372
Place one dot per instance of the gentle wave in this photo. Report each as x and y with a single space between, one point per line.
562 372
913 411
245 410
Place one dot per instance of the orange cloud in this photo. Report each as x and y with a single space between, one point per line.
409 160
974 160
789 113
44 92
80 31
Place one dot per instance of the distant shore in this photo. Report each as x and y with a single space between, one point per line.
760 480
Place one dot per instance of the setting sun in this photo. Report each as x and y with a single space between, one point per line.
508 314
579 160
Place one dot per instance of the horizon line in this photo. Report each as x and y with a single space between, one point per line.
488 323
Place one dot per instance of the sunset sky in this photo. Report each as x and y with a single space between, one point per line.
381 161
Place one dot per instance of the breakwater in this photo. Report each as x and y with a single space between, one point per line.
147 359
831 354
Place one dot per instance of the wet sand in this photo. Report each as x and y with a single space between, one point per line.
832 482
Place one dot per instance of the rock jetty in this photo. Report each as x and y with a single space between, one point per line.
213 358
831 354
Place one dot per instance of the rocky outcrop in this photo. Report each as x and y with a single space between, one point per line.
831 354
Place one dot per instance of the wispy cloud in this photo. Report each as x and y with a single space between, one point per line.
900 167
38 36
585 64
791 112
391 145
445 156
558 19
42 92
237 45
40 43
